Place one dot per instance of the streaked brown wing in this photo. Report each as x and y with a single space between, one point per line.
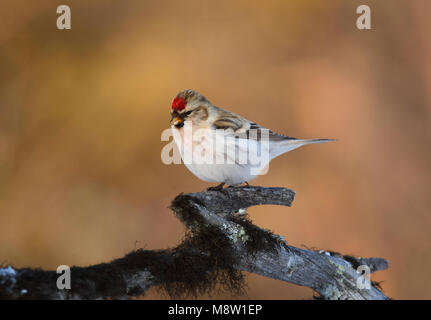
228 123
255 132
242 128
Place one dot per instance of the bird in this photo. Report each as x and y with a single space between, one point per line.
217 145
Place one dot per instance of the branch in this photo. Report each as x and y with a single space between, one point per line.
220 243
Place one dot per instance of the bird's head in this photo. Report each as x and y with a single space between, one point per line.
188 105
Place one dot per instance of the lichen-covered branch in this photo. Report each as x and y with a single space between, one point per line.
221 243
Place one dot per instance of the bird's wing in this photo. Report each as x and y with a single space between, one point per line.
237 126
273 136
229 124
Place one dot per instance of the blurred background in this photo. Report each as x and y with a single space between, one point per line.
82 112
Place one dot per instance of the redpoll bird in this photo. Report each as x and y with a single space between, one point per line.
222 146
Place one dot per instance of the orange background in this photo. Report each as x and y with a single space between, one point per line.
82 111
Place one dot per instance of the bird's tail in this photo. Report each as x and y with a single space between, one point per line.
310 141
292 144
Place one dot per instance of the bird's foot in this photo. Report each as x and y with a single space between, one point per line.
217 188
239 185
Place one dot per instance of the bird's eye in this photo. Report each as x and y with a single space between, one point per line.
186 114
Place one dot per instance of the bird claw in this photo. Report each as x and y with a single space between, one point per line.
220 188
239 185
216 188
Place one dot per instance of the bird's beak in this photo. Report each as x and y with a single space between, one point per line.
176 121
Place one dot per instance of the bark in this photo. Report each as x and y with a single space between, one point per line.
221 243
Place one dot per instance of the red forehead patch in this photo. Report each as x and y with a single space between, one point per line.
178 104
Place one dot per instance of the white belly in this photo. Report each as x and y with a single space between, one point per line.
228 173
215 158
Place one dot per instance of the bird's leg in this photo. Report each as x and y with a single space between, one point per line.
239 185
234 185
216 188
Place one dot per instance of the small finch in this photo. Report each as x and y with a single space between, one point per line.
224 147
